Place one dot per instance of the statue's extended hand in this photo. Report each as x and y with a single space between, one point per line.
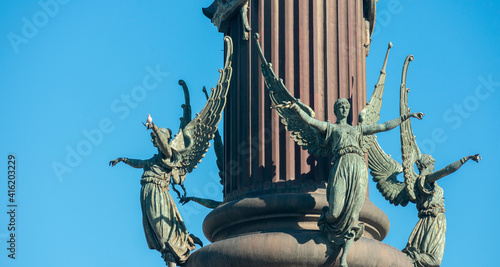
115 161
293 106
184 199
475 158
418 115
286 104
149 125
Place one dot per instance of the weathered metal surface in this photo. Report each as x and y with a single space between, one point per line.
320 55
273 190
426 244
177 155
220 11
348 178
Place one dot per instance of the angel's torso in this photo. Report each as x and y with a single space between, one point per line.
345 137
430 200
153 169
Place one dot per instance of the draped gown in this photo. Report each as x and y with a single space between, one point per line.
163 225
347 184
427 240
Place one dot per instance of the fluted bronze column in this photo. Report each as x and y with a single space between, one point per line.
273 190
317 48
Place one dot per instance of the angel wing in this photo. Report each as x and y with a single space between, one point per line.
199 131
385 171
186 107
409 149
370 114
383 168
218 147
303 134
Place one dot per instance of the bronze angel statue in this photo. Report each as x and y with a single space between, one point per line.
348 177
425 246
163 225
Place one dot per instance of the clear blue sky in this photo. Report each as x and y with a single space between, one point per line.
70 97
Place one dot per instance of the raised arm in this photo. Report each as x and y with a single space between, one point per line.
316 124
389 125
450 168
135 163
162 143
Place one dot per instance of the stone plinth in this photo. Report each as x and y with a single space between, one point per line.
281 230
280 249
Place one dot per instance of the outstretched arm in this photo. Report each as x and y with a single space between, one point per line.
450 168
209 203
135 163
316 124
389 125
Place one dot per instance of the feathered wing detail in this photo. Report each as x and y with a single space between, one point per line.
409 149
370 114
201 129
218 147
383 168
178 141
304 135
384 171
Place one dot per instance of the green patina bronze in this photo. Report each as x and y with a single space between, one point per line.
209 203
163 225
426 244
218 147
220 12
348 178
186 107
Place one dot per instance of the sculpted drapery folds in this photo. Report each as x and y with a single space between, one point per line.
426 244
163 225
348 177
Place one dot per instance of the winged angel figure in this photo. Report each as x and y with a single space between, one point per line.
425 246
348 177
163 225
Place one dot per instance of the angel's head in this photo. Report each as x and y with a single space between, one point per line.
425 162
341 108
165 134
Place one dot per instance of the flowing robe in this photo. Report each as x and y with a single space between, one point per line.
163 225
347 184
426 243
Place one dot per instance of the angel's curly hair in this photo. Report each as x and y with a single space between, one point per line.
341 101
424 161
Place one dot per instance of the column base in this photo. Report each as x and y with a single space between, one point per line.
304 248
283 212
281 230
